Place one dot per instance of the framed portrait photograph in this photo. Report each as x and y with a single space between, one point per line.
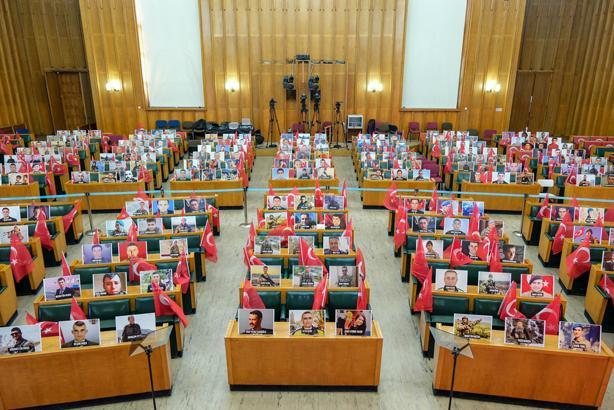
589 215
107 177
305 220
277 202
512 253
353 322
118 227
183 174
79 333
183 224
293 243
607 261
267 245
109 284
62 287
325 173
376 174
447 207
494 283
304 202
96 253
467 207
399 174
196 204
585 180
7 231
421 174
256 322
537 286
307 323
342 276
306 276
485 226
334 220
582 337
34 211
525 332
280 173
455 226
433 248
163 207
21 339
80 177
137 208
304 172
150 226
333 202
18 178
129 250
560 212
265 276
336 245
472 326
134 327
173 248
525 178
162 277
451 280
415 205
592 234
274 219
471 249
500 178
423 224
11 213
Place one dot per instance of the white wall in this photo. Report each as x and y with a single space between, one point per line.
434 32
169 35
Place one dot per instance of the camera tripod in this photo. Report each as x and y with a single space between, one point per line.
304 115
337 124
315 120
272 120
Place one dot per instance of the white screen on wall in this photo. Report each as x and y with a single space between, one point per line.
169 37
434 31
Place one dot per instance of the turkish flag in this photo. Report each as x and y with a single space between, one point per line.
494 265
571 177
608 286
319 196
207 242
243 174
349 233
51 184
260 216
96 237
48 329
448 167
400 227
137 266
605 236
292 196
433 203
307 256
133 233
361 301
609 214
508 304
544 210
165 306
473 233
457 257
105 140
360 264
271 191
70 216
73 159
320 294
76 313
391 201
419 265
424 301
551 315
123 214
215 215
484 248
42 232
249 259
344 194
181 277
579 261
141 195
65 266
20 259
436 152
251 237
251 299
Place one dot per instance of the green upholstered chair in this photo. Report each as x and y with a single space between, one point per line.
86 273
55 312
106 310
296 300
489 307
444 308
340 300
146 305
272 300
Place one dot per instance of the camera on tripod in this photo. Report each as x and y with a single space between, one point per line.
272 103
304 103
337 106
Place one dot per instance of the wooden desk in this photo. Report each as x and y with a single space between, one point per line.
225 199
86 373
564 279
500 203
530 373
594 192
38 273
7 192
376 198
595 304
319 252
303 184
282 360
286 285
8 297
113 201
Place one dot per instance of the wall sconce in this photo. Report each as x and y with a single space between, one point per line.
232 85
492 86
113 85
375 86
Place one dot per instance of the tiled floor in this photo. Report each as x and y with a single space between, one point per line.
200 376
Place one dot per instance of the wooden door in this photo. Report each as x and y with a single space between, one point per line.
70 100
529 107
